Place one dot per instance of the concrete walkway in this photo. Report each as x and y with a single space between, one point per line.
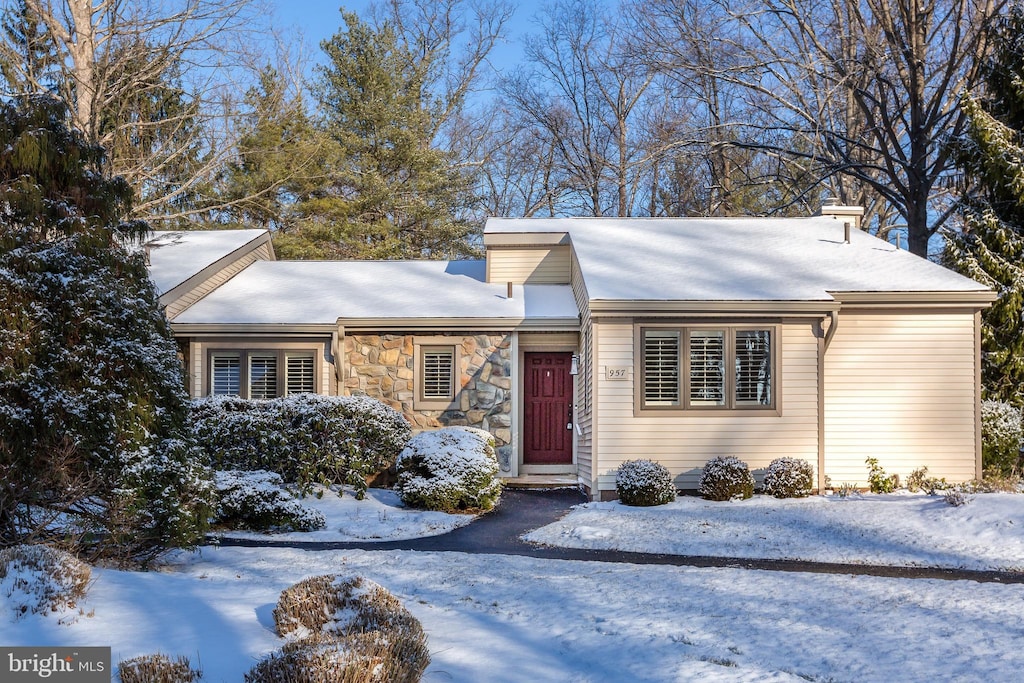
520 511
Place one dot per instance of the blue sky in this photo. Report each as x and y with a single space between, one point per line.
320 19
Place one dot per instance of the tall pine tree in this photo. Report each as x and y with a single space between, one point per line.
990 247
392 193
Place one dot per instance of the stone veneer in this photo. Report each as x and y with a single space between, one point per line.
382 366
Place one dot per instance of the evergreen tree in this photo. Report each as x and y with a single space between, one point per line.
282 158
93 447
28 55
990 248
391 194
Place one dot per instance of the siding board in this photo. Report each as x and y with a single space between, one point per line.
900 387
540 266
683 442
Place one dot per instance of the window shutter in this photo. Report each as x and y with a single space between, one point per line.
300 375
225 375
661 368
262 376
438 371
707 367
753 367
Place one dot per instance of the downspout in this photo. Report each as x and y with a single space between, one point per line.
339 370
823 343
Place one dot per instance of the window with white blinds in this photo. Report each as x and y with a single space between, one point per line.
753 367
262 376
690 368
262 373
661 367
707 368
300 379
437 375
225 376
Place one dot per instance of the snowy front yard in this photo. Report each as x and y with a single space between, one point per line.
894 529
500 618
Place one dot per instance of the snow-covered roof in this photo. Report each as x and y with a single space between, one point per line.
735 259
320 292
175 256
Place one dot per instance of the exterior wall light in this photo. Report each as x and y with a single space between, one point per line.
574 369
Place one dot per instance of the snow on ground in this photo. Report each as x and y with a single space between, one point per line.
517 619
380 516
897 529
520 619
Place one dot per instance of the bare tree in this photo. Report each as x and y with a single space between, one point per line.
866 91
153 81
589 95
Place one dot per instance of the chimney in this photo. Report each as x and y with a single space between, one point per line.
831 207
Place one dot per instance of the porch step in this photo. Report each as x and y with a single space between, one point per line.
542 481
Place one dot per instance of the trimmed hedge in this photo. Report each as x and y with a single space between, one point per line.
726 478
258 501
452 469
305 438
644 483
789 478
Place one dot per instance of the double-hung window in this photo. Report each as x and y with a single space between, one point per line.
261 374
695 368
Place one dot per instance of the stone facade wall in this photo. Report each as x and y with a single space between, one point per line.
383 366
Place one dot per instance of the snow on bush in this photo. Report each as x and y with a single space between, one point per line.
157 668
451 469
789 478
343 629
39 579
306 438
1001 434
644 483
258 501
726 478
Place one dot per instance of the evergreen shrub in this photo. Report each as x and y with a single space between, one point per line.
258 501
1001 434
452 469
789 478
644 483
726 478
306 438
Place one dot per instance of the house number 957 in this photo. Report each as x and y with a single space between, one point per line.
616 372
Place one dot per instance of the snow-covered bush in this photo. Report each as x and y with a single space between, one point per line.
38 579
1001 434
343 629
258 501
644 483
157 668
726 478
789 478
451 469
305 438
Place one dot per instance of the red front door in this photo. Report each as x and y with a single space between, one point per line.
547 412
